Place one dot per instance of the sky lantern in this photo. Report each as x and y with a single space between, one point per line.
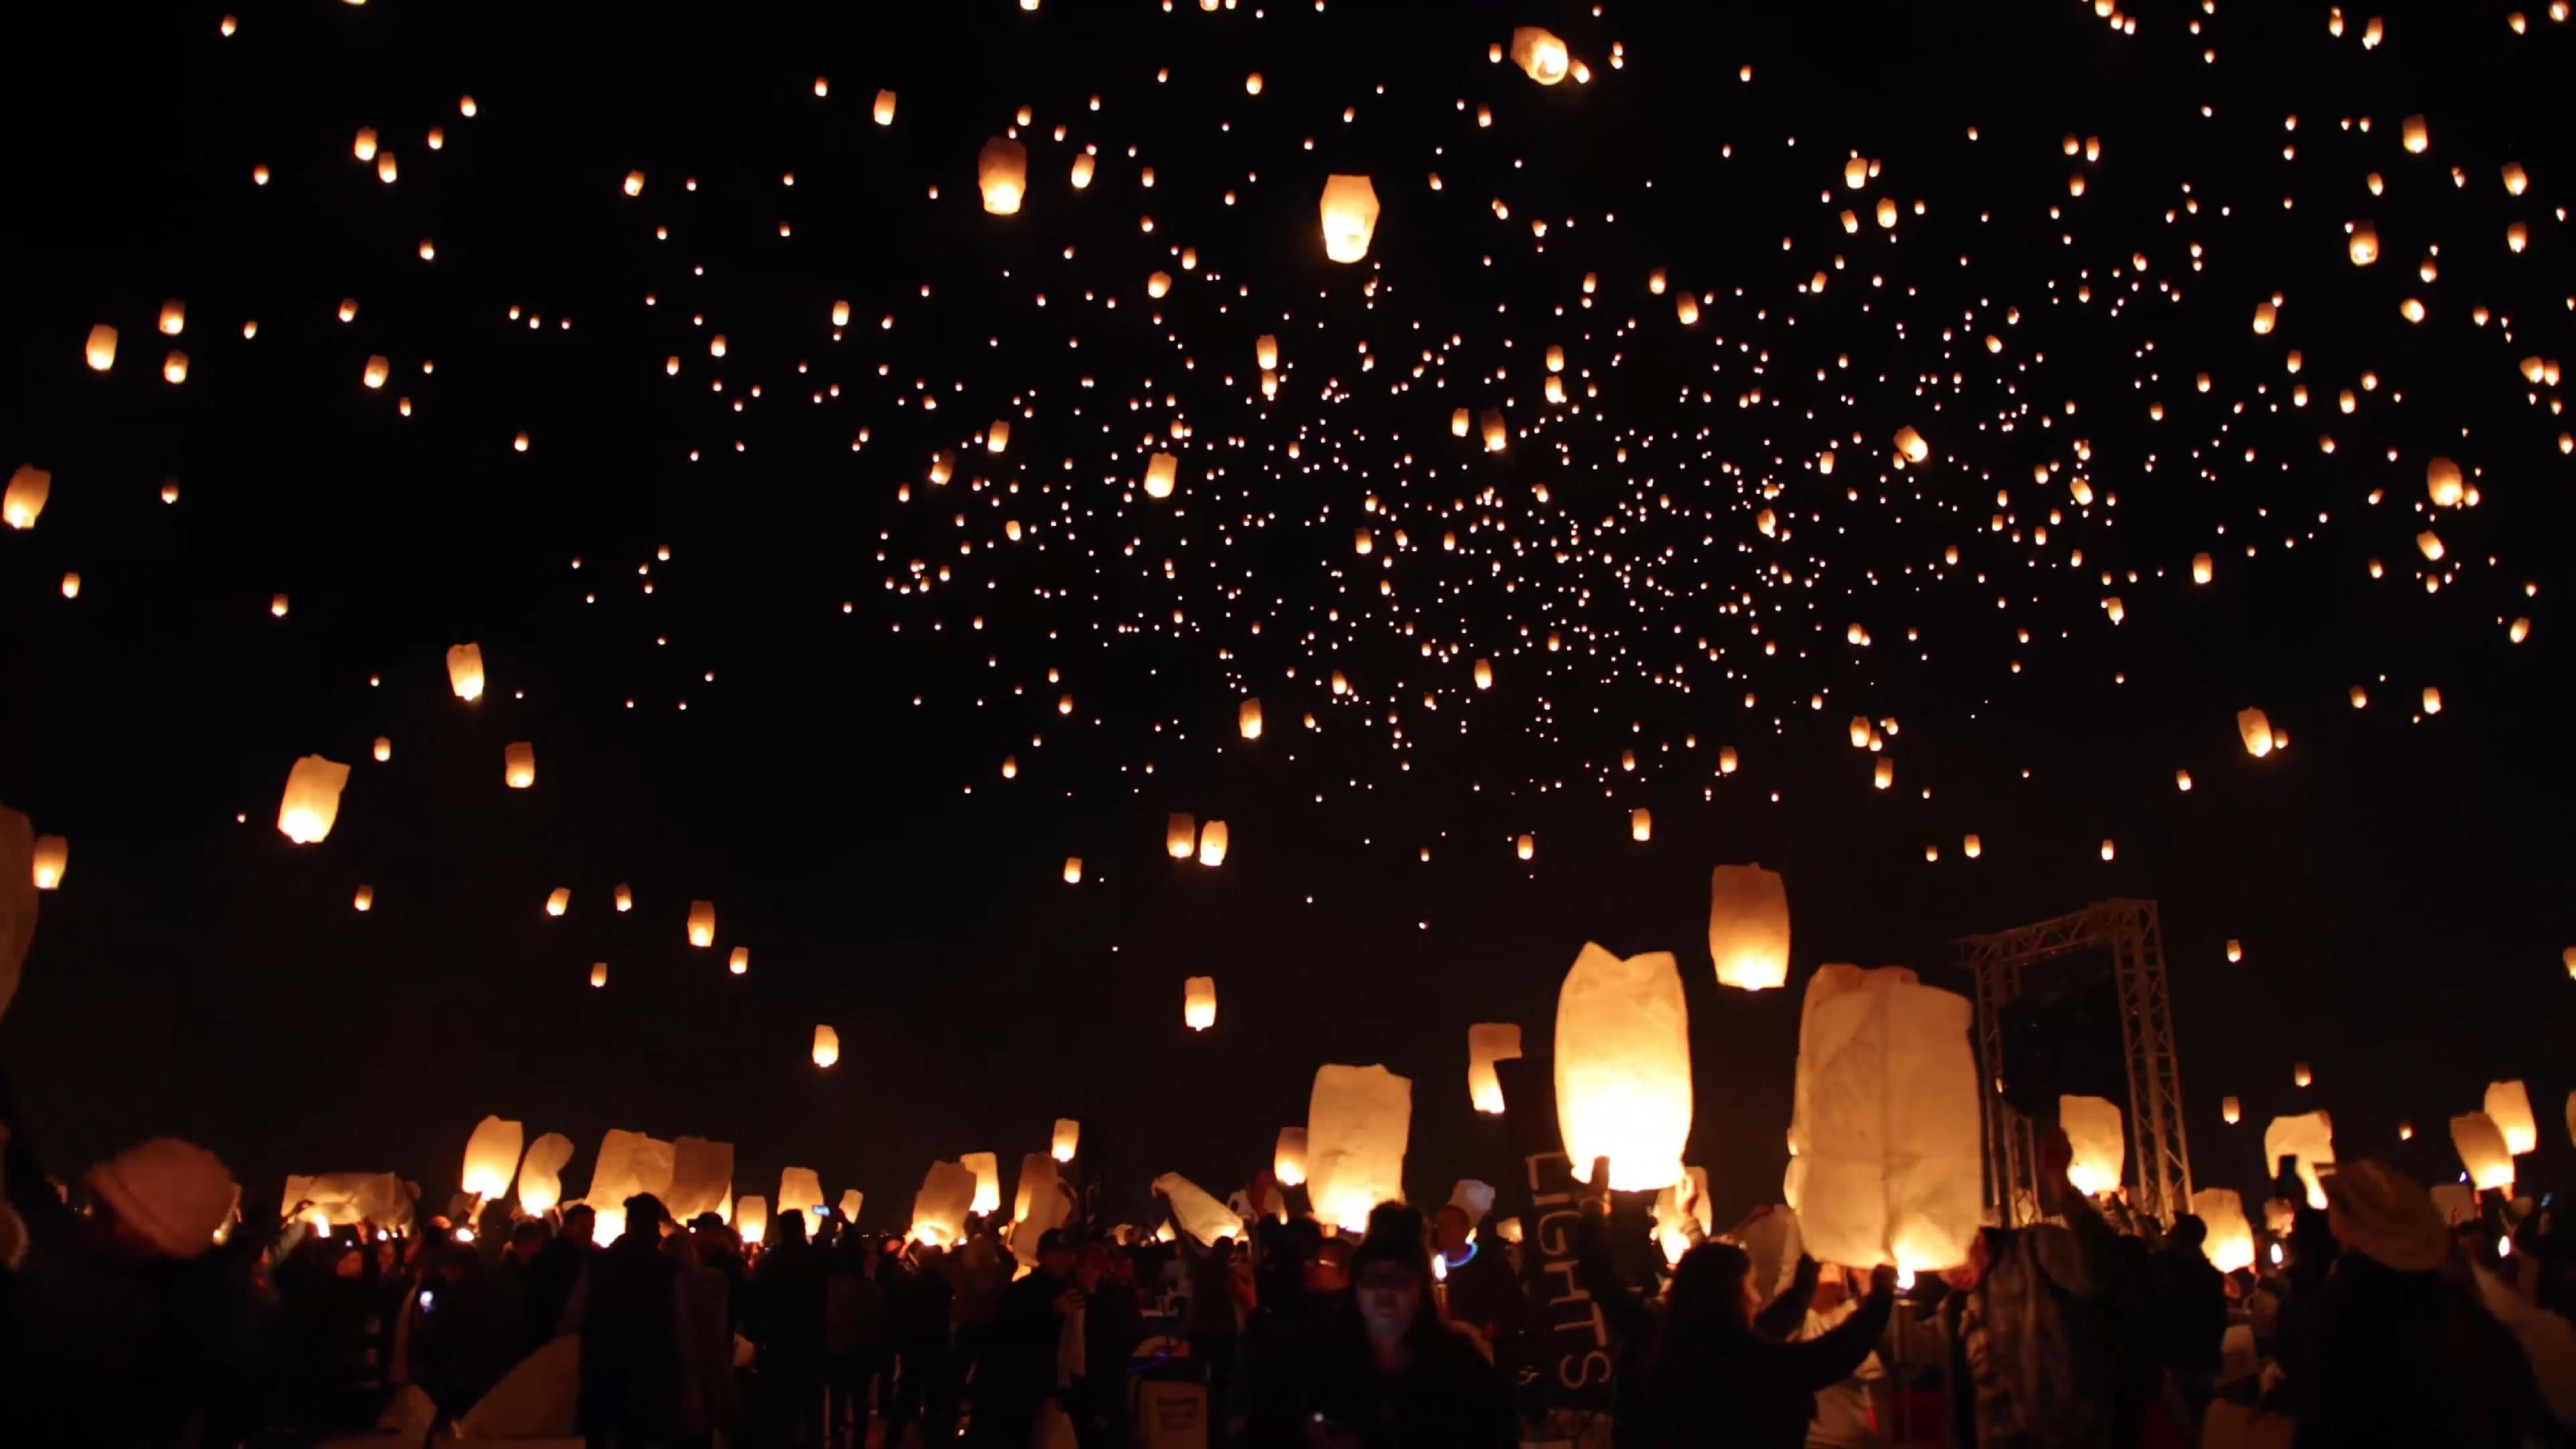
2301 1075
1358 1122
2099 1140
1484 674
2482 1150
540 1173
1199 1215
2508 1105
364 900
2442 483
1910 444
751 1218
558 900
2255 728
598 973
1349 211
519 765
2265 314
883 110
625 898
2432 700
1161 471
312 800
1265 351
1623 1082
1748 927
1068 1137
51 856
1459 422
1641 824
1073 870
2309 1137
1489 1042
1157 284
997 438
827 1051
2229 1111
1198 1003
702 923
1213 839
634 183
1686 309
1526 846
1180 835
1539 54
101 349
1887 213
1884 1157
987 1168
2230 1243
1083 166
1247 719
1497 435
29 487
2363 245
800 1190
739 963
492 1157
465 671
174 317
2417 135
1002 172
2201 568
943 466
1288 1157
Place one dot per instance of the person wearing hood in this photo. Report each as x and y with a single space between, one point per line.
1396 1373
108 1323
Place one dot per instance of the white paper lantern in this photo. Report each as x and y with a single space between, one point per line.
2230 1244
2509 1106
1358 1120
800 1189
540 1173
1349 211
1288 1156
751 1218
1068 1139
1489 1042
2482 1150
701 1178
1748 927
827 1050
2309 1137
1198 1003
492 1157
702 923
1623 1078
987 1168
939 1210
1002 173
2099 1142
1200 1216
312 800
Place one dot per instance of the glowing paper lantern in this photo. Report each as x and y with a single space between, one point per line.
312 800
851 1201
29 487
101 348
2228 1110
827 1051
1748 927
1910 444
1539 54
2230 1244
1459 421
1484 674
1161 472
1212 843
629 1163
492 1157
883 110
2364 245
1686 309
1526 846
519 765
1180 836
1349 210
1247 719
1358 1120
1042 1201
1489 1042
598 973
377 370
2099 1141
987 1168
1198 1003
1265 351
739 963
2416 135
701 1178
2508 1105
1497 435
625 898
1083 166
384 749
1885 1163
1073 870
1623 1083
365 899
1158 284
2309 1137
751 1218
702 923
2255 728
1002 172
800 1189
1068 1137
465 671
997 438
1288 1156
2201 568
1641 824
540 1180
2482 1150
558 900
47 860
1199 1215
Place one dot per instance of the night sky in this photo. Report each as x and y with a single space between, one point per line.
787 726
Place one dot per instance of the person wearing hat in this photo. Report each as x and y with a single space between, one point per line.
106 1319
1393 1371
2403 1352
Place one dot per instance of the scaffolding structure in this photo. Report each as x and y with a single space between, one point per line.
2159 1172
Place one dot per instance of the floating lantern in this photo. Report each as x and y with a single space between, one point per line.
492 1157
1748 927
2301 1076
751 1218
1349 209
1180 836
2099 1140
1198 1003
1686 309
1073 870
1539 54
800 1189
599 973
634 183
1884 775
1002 171
827 1051
2432 700
1489 1042
1157 284
2508 1105
1726 760
2363 245
558 900
625 899
2309 1137
519 765
1484 674
1212 843
1068 1137
2482 1150
1247 719
1885 1163
174 317
987 1168
2201 568
1288 1157
101 349
2416 135
1623 1084
702 923
2235 950
1201 1216
2229 1111
1459 421
1526 846
1358 1120
1265 351
1910 443
2255 728
2229 1245
1497 435
739 963
997 438
1082 170
29 487
2265 314
540 1179
883 110
943 466
365 899
312 800
2110 849
1161 471
465 671
1641 824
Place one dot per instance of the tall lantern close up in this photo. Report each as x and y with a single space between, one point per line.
1623 1082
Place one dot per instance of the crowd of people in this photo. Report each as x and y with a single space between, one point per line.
143 1308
